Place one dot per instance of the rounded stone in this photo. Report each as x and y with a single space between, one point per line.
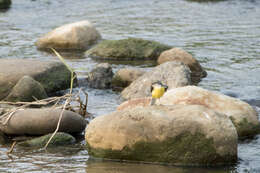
241 113
27 90
179 55
172 74
100 77
177 135
42 121
127 49
74 36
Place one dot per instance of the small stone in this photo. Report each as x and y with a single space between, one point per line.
27 90
58 140
100 77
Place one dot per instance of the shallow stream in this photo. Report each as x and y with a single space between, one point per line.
223 35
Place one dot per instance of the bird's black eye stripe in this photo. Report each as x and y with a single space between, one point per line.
151 88
165 87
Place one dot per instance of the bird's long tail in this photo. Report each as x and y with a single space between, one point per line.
153 101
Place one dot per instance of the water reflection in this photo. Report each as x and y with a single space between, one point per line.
94 166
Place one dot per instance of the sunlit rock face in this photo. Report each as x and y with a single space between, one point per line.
241 113
75 36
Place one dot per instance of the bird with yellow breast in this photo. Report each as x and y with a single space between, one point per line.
157 89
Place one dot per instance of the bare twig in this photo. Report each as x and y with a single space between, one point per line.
58 125
11 149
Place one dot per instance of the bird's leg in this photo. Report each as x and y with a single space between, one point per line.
152 101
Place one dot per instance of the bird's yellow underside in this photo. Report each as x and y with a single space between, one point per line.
157 92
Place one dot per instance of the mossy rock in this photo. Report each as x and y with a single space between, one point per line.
177 135
53 76
4 4
60 138
128 49
27 90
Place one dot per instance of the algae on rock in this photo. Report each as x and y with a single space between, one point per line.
59 138
128 49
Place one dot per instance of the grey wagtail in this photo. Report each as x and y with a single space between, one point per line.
157 89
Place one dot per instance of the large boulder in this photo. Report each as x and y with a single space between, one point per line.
75 36
124 77
179 55
42 121
127 49
100 77
27 90
172 74
241 113
53 76
4 4
177 135
58 139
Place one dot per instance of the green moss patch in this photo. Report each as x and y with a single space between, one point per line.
185 149
245 128
59 139
55 79
128 49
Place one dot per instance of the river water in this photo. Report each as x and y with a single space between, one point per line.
223 35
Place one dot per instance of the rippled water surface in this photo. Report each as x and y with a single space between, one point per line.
223 35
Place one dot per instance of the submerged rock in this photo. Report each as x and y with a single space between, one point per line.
177 135
101 76
242 114
53 76
179 55
127 49
124 77
74 36
27 90
43 121
172 74
5 4
59 139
